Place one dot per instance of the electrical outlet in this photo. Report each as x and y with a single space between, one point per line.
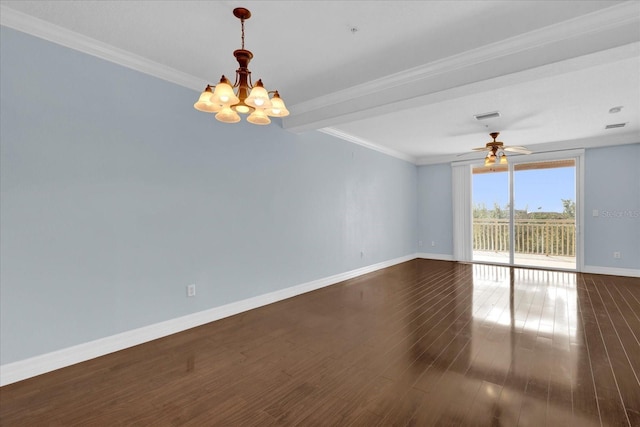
595 212
420 243
191 290
433 243
617 255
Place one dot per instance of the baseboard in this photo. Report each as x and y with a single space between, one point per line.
593 269
31 367
611 271
441 257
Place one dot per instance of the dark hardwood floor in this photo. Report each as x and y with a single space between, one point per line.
421 343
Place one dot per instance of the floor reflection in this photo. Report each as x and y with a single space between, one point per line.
500 338
553 292
523 324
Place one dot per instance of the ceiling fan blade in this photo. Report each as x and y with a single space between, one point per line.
515 149
481 148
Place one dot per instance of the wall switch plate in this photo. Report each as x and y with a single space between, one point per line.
191 290
617 255
595 212
433 243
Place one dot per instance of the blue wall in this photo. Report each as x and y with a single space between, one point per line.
435 209
117 194
612 186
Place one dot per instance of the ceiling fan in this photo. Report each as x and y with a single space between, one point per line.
496 151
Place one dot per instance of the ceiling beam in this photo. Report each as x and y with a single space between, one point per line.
599 31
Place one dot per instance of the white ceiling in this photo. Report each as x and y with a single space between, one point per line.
403 77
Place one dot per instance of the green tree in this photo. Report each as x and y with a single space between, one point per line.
480 211
569 208
498 212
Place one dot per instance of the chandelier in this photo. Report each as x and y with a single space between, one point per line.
247 98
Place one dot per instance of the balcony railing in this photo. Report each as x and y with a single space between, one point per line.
532 236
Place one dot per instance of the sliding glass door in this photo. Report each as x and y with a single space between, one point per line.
491 225
545 214
525 214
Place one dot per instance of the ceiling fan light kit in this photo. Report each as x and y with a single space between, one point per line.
496 154
227 100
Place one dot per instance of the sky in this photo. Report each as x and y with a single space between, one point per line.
539 190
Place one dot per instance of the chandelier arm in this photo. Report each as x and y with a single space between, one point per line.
235 84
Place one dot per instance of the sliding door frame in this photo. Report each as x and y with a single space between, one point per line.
463 193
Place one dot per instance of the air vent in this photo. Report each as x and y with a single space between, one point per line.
485 116
617 125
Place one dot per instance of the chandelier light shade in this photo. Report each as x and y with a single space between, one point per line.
204 102
227 115
277 107
227 100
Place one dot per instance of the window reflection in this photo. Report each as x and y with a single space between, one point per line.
533 300
518 313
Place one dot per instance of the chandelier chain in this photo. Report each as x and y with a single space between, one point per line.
242 25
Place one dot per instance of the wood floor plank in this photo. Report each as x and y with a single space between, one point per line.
421 343
621 365
610 404
560 398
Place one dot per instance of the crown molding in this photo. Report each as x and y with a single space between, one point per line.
598 21
385 150
45 30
